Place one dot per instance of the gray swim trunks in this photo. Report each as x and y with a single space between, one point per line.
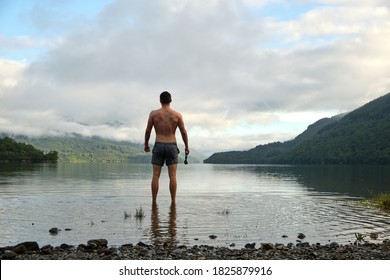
165 152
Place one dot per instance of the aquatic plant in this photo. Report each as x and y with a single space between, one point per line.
139 213
380 201
127 215
224 212
359 237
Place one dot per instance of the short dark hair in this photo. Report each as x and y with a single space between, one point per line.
165 97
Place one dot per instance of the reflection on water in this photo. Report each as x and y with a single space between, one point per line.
238 203
355 180
163 232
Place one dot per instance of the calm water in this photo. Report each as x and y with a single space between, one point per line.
238 203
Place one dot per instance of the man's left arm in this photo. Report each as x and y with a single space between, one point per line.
184 134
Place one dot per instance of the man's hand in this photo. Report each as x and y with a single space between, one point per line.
147 148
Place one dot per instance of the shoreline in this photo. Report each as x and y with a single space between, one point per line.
99 249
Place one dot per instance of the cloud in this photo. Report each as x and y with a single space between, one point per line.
234 76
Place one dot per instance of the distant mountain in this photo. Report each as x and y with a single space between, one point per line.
77 148
359 137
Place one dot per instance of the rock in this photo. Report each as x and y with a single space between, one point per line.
54 231
179 251
47 249
98 243
266 246
250 245
65 246
8 255
82 247
29 246
212 236
284 236
19 249
141 244
373 235
92 245
301 236
303 245
106 251
143 252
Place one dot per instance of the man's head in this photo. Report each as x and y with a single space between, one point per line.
165 97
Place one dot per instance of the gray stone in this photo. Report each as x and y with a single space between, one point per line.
250 245
267 246
47 249
9 255
98 243
54 231
301 236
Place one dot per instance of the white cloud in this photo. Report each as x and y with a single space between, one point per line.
10 73
234 76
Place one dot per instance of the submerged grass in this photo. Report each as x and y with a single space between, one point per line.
225 212
139 213
381 201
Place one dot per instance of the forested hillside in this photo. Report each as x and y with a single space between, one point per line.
76 148
359 137
12 151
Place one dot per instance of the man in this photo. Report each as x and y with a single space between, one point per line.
165 122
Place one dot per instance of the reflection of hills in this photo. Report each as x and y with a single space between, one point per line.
349 179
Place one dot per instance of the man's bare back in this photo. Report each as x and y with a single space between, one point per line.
165 122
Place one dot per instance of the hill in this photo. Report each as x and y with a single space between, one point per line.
77 148
359 137
12 151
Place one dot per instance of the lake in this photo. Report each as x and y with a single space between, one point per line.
239 204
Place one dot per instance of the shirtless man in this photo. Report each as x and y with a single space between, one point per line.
165 121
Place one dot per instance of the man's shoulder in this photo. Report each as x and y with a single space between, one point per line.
154 112
176 112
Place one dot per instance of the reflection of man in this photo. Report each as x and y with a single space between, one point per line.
158 232
165 122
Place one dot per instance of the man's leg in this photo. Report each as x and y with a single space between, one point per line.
155 179
172 182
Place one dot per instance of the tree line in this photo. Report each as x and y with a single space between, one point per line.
12 151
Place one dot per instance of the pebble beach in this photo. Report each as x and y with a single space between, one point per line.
99 249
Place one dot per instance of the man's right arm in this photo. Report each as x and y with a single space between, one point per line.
148 132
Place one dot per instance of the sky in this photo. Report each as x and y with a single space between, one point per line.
242 73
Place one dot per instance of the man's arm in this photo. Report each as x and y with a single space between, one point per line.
148 132
184 134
